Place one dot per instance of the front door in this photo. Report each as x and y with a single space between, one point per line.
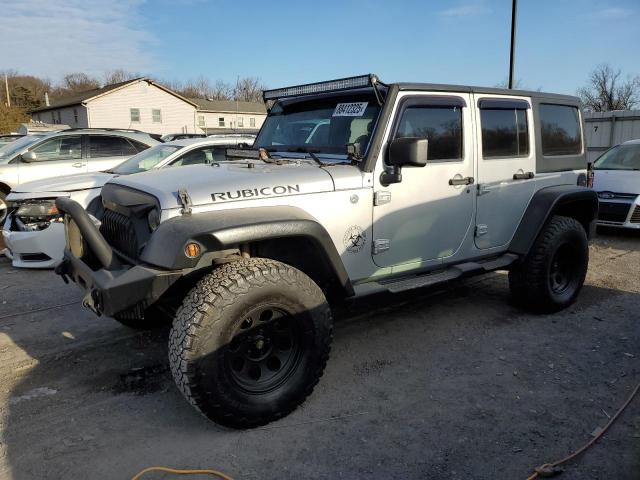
506 167
57 157
425 218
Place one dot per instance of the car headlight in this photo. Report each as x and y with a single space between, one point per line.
44 209
153 218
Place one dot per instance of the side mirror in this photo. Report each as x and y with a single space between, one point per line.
28 157
404 152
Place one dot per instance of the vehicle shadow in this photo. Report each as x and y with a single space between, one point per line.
453 382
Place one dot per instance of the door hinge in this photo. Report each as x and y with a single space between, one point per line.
381 198
185 200
481 230
381 245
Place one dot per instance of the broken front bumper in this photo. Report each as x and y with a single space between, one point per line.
111 285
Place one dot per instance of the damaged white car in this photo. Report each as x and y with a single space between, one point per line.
34 232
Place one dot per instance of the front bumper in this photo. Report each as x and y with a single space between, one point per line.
113 286
34 249
620 213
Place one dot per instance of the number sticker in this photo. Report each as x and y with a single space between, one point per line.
350 109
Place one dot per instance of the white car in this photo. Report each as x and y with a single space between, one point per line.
67 152
34 232
616 179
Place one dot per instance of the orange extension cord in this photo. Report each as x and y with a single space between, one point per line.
213 473
548 469
544 470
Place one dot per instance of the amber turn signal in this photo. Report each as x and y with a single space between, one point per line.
192 250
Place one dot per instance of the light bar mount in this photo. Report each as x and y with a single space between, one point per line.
340 84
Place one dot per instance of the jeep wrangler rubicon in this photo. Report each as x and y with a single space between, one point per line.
352 187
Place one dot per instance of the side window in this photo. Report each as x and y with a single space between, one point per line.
106 146
65 147
139 146
441 125
505 132
560 129
194 157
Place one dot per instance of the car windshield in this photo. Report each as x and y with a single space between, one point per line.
8 151
322 126
145 160
622 157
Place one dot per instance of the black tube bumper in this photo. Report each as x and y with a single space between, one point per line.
116 287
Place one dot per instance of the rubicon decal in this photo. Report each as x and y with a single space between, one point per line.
255 193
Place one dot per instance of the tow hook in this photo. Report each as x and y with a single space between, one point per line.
61 269
90 301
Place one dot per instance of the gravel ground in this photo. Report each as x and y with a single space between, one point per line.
435 384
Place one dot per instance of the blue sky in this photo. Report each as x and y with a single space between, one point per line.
293 41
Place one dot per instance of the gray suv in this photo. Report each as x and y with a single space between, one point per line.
67 152
352 187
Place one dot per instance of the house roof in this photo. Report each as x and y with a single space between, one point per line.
83 97
231 106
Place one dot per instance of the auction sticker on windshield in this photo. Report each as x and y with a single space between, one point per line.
350 109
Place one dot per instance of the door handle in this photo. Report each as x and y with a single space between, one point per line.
78 165
523 176
461 181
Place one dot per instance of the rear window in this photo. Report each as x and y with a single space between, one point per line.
106 146
560 130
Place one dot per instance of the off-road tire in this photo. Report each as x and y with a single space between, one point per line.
535 283
206 330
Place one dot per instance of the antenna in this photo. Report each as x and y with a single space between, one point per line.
514 14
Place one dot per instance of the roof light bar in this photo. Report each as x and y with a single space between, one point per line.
322 87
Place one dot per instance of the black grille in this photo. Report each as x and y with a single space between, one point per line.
635 216
120 233
613 212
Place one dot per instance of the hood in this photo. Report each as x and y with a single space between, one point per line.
69 183
618 181
232 182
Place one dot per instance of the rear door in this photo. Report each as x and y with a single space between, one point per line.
56 157
506 166
108 151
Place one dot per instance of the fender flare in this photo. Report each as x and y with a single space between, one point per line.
574 201
227 229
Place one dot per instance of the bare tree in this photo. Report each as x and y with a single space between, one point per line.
118 76
606 91
79 82
249 89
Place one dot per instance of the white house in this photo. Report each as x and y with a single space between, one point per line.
145 105
218 116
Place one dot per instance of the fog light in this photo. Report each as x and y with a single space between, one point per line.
192 250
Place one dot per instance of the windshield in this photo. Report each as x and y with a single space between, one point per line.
622 157
322 126
9 150
145 160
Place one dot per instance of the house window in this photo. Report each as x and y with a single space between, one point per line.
75 115
221 122
201 122
156 115
240 122
135 115
252 122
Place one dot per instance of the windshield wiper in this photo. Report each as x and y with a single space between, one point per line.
310 152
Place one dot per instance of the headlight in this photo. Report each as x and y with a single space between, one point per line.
153 218
42 209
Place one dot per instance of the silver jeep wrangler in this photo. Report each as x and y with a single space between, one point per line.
352 187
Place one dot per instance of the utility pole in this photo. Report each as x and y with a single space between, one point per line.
514 14
6 87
